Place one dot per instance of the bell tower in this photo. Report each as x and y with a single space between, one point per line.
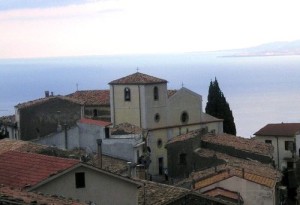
139 99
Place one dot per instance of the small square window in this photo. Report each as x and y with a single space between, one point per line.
289 145
182 159
80 179
268 141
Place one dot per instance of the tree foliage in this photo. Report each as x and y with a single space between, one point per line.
217 106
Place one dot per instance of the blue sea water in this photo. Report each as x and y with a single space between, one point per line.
260 90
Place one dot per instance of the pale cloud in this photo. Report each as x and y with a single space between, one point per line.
140 26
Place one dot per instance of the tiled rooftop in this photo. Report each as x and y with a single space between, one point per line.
46 99
240 143
92 97
138 78
171 92
16 196
94 122
220 192
228 172
126 128
281 129
111 164
183 137
19 145
250 166
20 169
157 194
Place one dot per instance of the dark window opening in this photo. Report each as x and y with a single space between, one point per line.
268 141
159 143
155 93
95 112
156 117
106 132
80 179
184 117
182 159
127 94
289 145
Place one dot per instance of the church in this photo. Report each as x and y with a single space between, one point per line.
145 101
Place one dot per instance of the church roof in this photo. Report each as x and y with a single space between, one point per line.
92 97
137 78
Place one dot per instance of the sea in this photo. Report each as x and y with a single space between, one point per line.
259 90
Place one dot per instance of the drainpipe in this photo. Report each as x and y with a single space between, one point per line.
277 153
66 136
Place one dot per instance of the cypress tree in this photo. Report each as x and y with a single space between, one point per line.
217 106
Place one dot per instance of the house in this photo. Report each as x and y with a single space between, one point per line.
285 138
66 177
96 103
144 101
46 115
197 150
237 184
224 166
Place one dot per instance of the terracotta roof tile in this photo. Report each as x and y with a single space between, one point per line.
92 97
157 194
19 169
94 122
126 128
138 78
17 196
46 99
240 143
183 137
111 164
19 145
218 191
281 129
171 92
250 166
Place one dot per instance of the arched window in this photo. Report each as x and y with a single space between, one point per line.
155 93
184 117
127 94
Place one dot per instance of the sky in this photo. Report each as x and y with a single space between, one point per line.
53 28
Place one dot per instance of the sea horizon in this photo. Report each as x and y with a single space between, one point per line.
260 90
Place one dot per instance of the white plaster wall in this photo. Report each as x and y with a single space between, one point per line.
184 100
100 188
251 193
279 149
58 139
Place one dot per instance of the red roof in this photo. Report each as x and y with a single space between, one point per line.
138 78
92 97
19 169
94 122
281 129
221 192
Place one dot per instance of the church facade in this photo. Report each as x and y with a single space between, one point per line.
145 101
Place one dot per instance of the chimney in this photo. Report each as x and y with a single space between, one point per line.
129 168
99 143
46 93
52 94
